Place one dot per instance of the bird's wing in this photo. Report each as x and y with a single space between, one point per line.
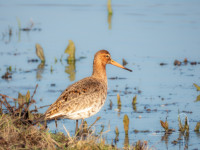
77 97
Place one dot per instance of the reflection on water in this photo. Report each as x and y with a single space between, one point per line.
117 135
165 138
71 69
126 141
109 21
126 128
110 12
71 51
71 60
184 138
143 45
40 70
134 102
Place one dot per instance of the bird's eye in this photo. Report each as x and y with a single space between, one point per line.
107 56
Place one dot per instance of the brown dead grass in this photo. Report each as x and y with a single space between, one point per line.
17 130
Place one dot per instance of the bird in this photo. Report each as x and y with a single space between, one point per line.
86 97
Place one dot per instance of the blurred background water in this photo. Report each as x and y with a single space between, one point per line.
144 33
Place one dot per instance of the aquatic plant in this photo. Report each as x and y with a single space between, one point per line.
109 7
164 125
118 100
124 62
197 87
134 102
117 134
40 52
126 124
197 127
71 51
183 128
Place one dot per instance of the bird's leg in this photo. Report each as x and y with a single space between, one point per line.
81 127
76 127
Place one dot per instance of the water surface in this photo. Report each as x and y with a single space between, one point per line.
144 33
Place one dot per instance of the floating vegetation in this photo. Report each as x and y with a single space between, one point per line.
109 21
185 62
124 62
21 108
85 127
28 28
198 98
40 70
9 68
55 60
32 60
162 64
71 70
40 52
119 104
197 87
116 78
134 102
164 125
193 63
141 145
141 131
109 5
7 76
71 51
177 63
197 127
61 58
31 24
51 69
110 105
10 31
118 100
183 128
19 23
117 134
126 128
126 124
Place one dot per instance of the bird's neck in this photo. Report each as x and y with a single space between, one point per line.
99 71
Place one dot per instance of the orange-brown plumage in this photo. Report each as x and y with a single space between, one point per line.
85 97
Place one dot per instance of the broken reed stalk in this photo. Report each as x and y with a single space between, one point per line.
22 109
197 127
94 123
31 100
8 97
34 91
6 104
118 100
165 125
126 124
40 52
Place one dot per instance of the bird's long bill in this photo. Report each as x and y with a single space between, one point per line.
118 65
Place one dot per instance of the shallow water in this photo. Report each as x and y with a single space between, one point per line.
144 33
